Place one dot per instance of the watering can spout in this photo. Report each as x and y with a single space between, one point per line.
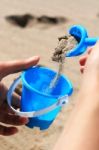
91 41
80 33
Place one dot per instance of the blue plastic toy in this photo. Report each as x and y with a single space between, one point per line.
80 33
42 108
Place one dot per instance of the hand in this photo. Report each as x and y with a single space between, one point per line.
91 59
89 65
7 116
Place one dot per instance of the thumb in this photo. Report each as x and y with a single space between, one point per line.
17 66
93 59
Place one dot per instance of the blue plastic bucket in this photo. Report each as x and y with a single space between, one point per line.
35 81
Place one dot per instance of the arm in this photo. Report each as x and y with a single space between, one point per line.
81 130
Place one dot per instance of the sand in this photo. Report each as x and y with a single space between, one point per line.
65 44
41 39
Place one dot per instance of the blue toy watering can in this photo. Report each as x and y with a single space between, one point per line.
80 33
41 107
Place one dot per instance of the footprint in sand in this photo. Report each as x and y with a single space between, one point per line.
24 20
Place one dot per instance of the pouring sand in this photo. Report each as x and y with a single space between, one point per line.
66 43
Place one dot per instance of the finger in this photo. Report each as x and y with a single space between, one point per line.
18 89
83 60
16 100
3 101
95 49
15 103
17 66
5 108
82 69
3 92
7 131
13 119
89 50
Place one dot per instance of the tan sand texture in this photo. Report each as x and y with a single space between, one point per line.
41 39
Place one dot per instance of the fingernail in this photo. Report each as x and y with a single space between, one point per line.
36 57
24 120
14 130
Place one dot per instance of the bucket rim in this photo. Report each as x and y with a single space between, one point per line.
25 83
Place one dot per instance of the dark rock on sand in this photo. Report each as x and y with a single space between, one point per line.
51 20
20 20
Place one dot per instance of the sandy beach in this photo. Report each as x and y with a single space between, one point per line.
41 39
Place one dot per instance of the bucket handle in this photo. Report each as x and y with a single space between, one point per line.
60 102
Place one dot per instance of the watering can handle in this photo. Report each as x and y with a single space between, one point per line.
91 41
60 102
